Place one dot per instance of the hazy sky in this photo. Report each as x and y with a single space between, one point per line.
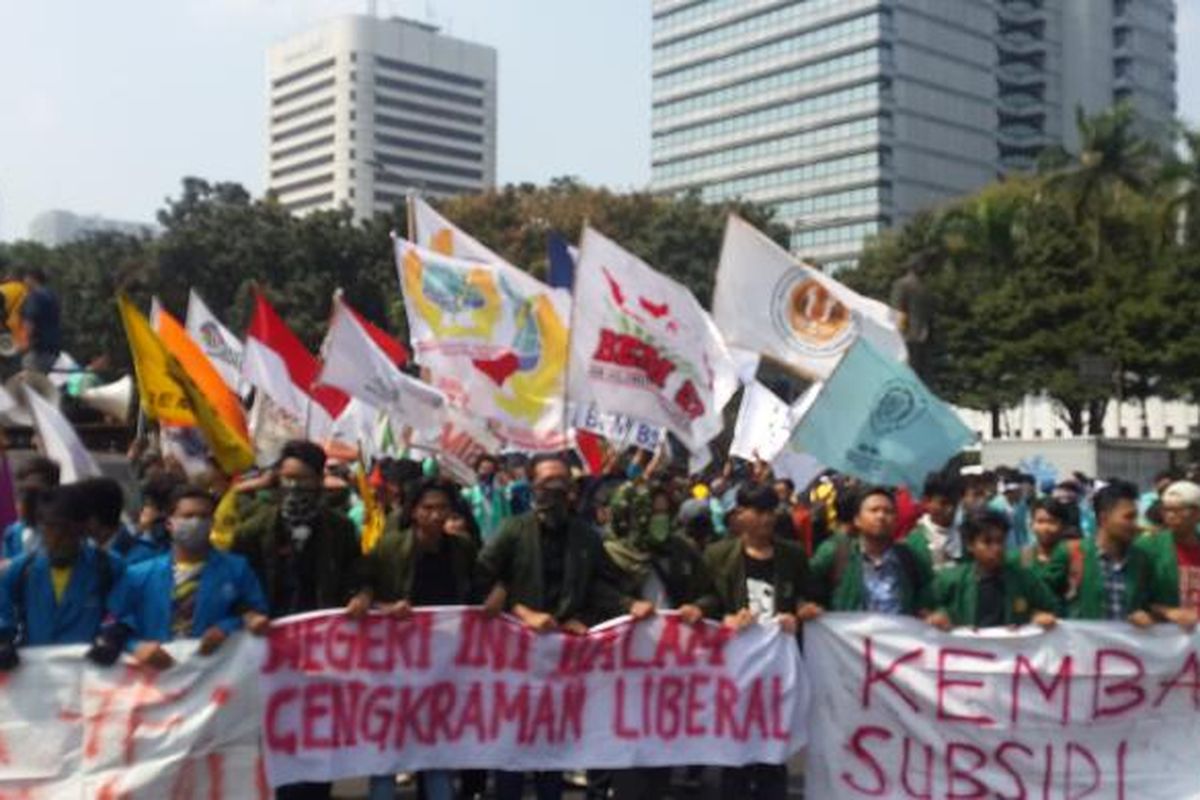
105 106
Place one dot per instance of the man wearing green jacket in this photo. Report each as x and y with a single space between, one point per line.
936 539
1175 555
869 571
990 590
1108 578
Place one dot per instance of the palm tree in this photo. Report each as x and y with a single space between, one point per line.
1179 180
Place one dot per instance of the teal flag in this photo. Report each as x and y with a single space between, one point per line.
875 420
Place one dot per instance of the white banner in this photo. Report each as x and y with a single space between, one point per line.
620 430
69 729
449 688
1087 710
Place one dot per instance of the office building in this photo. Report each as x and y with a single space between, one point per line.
363 110
850 116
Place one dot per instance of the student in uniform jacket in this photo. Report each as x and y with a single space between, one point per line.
869 571
1088 564
1046 556
935 539
990 590
103 501
59 593
34 478
193 591
1175 556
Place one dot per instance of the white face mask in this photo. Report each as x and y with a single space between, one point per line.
191 533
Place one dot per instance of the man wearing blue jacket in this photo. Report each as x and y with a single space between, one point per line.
57 594
192 591
35 477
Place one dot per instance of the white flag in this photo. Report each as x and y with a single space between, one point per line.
354 363
59 440
764 425
768 302
642 345
218 343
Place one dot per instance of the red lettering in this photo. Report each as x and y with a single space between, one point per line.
620 728
778 731
1063 676
921 793
377 716
285 743
956 773
315 636
1073 748
874 675
571 724
944 684
629 659
543 717
345 713
670 716
727 698
472 714
441 703
1013 773
316 707
688 400
756 709
1190 669
694 722
491 644
859 750
1130 686
505 709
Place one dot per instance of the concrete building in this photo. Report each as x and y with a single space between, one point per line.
56 227
362 110
849 116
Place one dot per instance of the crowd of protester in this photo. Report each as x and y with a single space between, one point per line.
561 551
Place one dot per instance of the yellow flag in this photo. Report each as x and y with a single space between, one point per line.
225 520
373 521
169 395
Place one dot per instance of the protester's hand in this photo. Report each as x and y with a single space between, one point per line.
401 609
809 611
1141 619
1044 620
104 651
739 621
151 654
358 606
1183 617
940 620
494 604
258 624
691 613
538 621
211 640
8 657
641 609
788 623
574 627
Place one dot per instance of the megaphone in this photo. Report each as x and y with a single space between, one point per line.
37 382
112 399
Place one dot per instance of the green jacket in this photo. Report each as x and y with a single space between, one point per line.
1076 565
1052 573
837 578
679 566
956 592
727 567
918 541
391 563
513 558
341 571
1159 547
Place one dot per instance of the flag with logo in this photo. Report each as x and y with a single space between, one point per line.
217 342
493 339
59 440
642 345
356 364
875 420
768 302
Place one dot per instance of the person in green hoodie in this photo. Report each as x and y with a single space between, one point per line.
1175 554
869 571
936 539
1107 578
1050 522
990 590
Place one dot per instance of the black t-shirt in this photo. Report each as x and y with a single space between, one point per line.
433 577
989 609
296 590
41 309
760 586
554 564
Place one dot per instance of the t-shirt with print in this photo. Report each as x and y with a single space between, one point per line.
760 587
1188 556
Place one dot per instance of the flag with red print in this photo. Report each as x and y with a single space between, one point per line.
642 345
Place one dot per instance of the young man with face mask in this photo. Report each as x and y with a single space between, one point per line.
488 499
758 578
193 591
35 477
869 570
1175 555
544 567
654 568
59 593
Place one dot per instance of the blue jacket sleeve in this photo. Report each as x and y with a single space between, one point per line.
8 611
249 595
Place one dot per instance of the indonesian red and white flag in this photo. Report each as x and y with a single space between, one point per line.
278 364
357 363
642 345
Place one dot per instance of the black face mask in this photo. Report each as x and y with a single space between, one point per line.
551 500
